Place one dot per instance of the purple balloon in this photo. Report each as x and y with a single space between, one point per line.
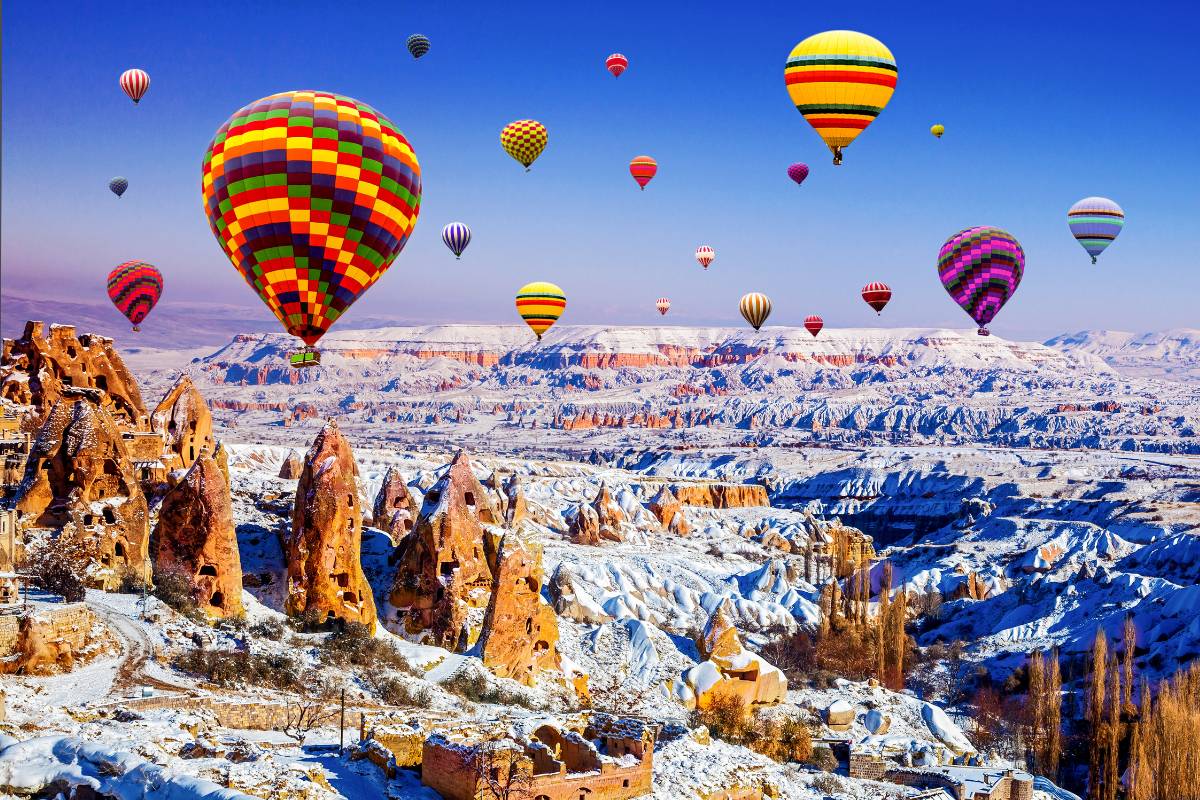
981 268
798 172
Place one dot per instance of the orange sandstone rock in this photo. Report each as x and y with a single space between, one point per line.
184 421
520 631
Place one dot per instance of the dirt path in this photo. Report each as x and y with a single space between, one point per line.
136 650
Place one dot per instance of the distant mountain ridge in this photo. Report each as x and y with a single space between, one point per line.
1172 354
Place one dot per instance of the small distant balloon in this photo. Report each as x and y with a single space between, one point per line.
118 186
134 288
705 255
813 324
540 304
877 295
135 83
798 172
755 308
524 140
981 269
1095 223
418 45
663 305
643 169
938 129
616 64
457 236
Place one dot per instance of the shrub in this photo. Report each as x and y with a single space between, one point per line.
270 628
725 717
354 645
56 573
397 692
132 582
174 588
474 685
827 784
238 667
823 759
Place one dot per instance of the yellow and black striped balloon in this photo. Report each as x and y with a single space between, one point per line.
540 304
755 307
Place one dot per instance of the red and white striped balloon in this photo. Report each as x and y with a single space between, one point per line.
616 64
814 324
135 83
705 255
877 295
663 305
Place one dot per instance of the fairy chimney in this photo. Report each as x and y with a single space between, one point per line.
184 422
394 510
520 631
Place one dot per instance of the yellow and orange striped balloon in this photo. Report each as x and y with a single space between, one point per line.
755 308
540 304
840 81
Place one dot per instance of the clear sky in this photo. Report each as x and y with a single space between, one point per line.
1043 103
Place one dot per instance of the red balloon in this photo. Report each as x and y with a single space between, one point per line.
616 64
814 324
134 288
877 295
643 168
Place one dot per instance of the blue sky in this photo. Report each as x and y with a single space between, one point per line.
1042 106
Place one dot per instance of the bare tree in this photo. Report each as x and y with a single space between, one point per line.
502 771
310 710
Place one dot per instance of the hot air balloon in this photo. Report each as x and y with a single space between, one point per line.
524 140
134 287
840 81
663 305
312 195
937 130
1095 223
705 255
981 268
755 308
418 45
798 172
616 64
118 186
457 236
813 324
135 83
877 295
643 168
540 304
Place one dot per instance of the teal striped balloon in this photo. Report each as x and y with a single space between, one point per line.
1095 223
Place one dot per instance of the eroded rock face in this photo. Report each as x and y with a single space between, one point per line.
445 565
520 631
665 506
325 575
184 422
394 509
722 495
195 538
608 514
79 479
516 508
574 602
36 368
728 668
292 467
584 527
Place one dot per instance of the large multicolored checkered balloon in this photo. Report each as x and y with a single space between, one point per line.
840 81
312 195
981 268
134 287
1095 223
524 140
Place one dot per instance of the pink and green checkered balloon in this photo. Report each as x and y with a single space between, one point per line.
981 268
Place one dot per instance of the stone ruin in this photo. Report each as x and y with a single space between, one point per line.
325 575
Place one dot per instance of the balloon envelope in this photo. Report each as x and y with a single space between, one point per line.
418 45
135 83
643 168
980 269
457 236
813 324
524 140
755 308
840 81
705 255
877 295
134 288
1095 223
118 186
937 130
798 172
616 64
540 304
663 305
312 195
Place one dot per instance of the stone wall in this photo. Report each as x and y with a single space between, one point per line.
70 624
245 715
867 766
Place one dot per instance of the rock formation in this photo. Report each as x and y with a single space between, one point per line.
574 602
722 495
584 527
292 467
519 638
664 506
196 539
609 514
36 369
516 509
79 479
445 566
184 422
394 510
728 668
325 575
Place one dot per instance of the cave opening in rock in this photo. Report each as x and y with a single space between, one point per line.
208 569
218 600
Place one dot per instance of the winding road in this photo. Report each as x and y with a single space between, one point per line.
136 649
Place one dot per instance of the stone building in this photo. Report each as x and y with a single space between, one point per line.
15 444
599 758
